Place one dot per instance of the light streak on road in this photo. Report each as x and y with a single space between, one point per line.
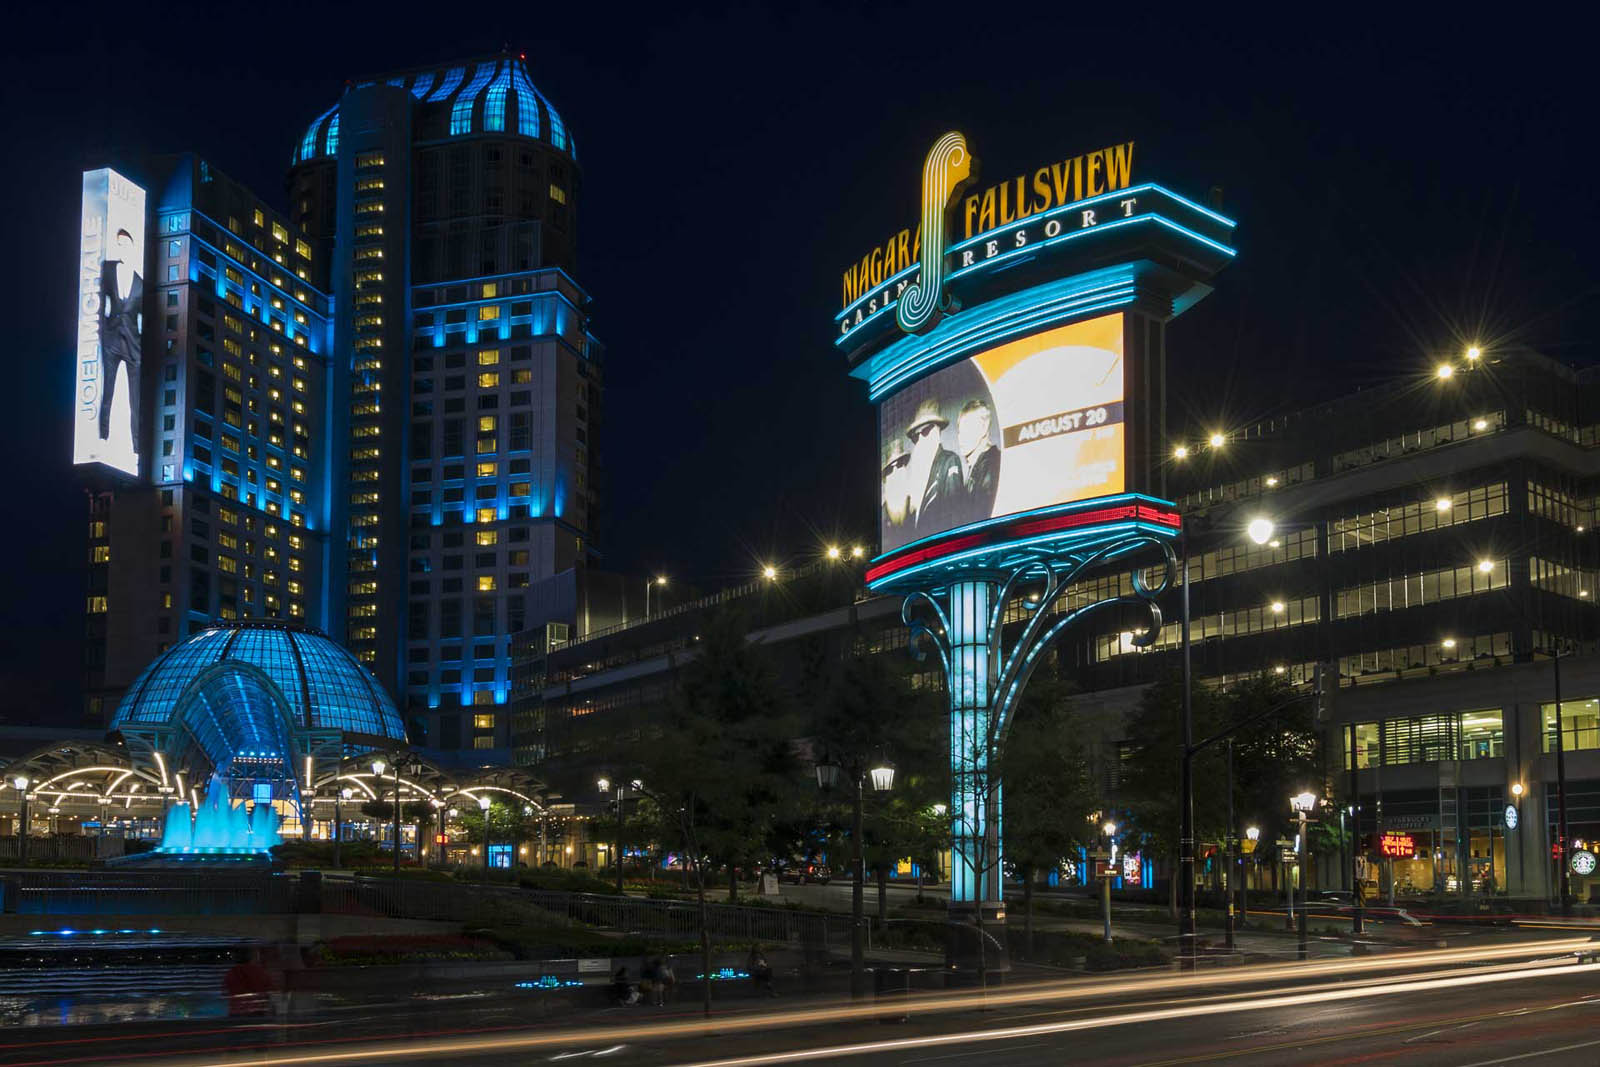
1356 978
1260 1003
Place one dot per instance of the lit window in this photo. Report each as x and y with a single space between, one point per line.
488 537
489 357
485 583
488 470
483 722
558 194
97 605
486 515
488 379
486 424
488 311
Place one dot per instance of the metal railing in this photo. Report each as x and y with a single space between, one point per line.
30 892
224 892
416 899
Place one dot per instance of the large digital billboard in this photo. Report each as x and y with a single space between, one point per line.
110 322
1027 424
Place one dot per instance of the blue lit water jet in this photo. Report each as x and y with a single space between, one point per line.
220 827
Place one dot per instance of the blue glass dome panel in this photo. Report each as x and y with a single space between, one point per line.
322 684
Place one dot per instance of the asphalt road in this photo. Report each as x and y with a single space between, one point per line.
1533 1001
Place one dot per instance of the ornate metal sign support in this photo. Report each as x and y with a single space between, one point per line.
966 623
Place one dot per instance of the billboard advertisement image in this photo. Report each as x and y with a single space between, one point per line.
1027 424
110 322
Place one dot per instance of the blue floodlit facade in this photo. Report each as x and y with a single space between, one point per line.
374 414
469 385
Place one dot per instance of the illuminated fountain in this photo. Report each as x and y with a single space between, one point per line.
220 828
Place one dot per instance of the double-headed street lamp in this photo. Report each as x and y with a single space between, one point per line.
830 775
378 767
605 785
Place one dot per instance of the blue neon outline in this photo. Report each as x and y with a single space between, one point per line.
1061 315
1093 535
1061 291
1029 309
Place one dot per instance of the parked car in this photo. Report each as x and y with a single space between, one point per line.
805 873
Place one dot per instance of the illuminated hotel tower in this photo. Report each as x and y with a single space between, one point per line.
224 513
465 384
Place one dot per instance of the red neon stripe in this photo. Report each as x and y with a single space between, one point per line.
1026 528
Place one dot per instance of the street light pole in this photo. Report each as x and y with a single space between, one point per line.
1105 880
339 796
1186 915
1359 923
1232 847
397 818
1302 803
1564 873
21 782
857 903
483 806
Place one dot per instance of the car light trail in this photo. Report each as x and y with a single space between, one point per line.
1367 971
1128 1018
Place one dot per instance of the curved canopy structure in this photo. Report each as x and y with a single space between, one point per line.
318 683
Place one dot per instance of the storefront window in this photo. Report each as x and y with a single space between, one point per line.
1580 725
1482 734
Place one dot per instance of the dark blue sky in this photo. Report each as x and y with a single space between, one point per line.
1401 187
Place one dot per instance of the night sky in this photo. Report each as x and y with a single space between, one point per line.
1401 189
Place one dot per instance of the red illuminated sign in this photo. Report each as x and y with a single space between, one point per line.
1396 844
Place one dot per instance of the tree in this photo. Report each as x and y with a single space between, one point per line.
721 765
1273 758
868 710
1050 796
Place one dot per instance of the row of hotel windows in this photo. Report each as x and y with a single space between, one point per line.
1466 735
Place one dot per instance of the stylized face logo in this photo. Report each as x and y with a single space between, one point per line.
947 168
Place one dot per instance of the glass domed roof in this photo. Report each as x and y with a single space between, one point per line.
493 95
323 685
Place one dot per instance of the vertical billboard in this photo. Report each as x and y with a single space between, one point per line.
110 322
1024 425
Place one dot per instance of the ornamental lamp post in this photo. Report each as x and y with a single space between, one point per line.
21 783
339 797
1105 879
1302 803
483 806
1252 834
616 848
829 776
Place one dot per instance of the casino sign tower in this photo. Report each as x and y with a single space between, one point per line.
1014 345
